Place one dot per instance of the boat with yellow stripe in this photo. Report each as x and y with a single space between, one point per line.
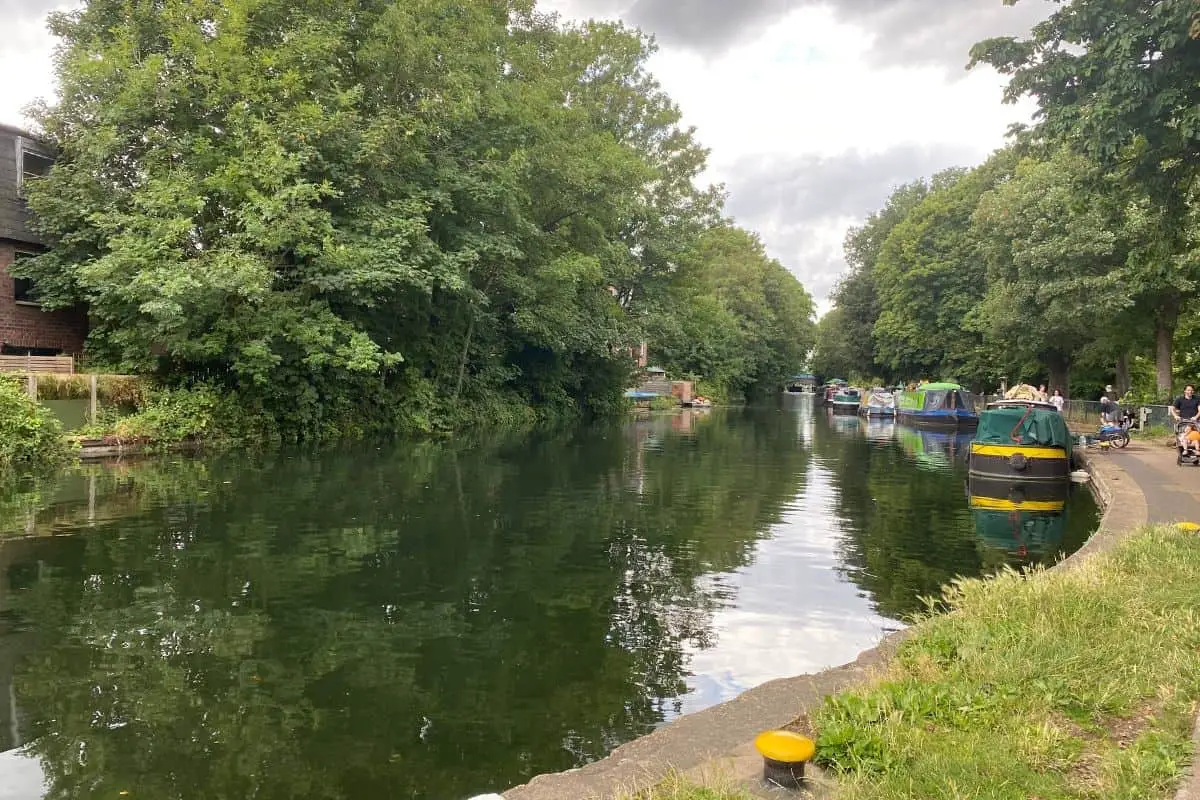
1021 440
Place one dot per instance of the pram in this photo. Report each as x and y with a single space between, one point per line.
1187 443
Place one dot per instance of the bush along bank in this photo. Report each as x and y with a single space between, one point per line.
31 438
1066 684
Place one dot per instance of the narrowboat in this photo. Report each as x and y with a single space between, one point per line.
847 401
878 403
943 405
829 390
1021 440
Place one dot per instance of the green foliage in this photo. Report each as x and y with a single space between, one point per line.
170 416
1117 82
1084 679
732 316
363 217
929 276
1087 260
30 437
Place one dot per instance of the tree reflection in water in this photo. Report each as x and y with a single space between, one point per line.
420 621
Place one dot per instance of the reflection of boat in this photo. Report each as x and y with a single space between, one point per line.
843 423
847 400
931 448
1023 441
878 403
880 429
1019 518
938 404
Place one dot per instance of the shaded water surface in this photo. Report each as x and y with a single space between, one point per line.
435 620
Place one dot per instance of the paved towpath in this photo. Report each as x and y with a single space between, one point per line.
1172 492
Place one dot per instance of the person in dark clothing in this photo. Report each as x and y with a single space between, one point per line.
1187 405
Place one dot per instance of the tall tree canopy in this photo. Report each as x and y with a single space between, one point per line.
1087 255
1117 80
365 210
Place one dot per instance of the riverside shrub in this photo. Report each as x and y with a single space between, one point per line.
30 437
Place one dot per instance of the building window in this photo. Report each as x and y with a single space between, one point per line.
23 289
33 164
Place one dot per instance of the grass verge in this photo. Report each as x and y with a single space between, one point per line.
677 787
1068 684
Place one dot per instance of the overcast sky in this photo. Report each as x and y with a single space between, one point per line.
814 109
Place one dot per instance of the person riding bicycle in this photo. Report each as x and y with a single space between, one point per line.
1186 406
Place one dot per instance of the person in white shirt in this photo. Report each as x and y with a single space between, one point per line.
1057 399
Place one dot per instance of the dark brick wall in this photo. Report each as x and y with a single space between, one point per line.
29 326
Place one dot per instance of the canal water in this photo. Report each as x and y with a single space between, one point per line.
440 619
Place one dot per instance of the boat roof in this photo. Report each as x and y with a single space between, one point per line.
939 387
1023 404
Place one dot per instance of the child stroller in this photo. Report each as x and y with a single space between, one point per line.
1187 443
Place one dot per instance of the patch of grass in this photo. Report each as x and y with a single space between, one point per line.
676 787
1069 684
1157 432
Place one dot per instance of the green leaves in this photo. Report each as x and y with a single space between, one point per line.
343 205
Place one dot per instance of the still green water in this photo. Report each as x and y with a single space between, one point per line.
437 620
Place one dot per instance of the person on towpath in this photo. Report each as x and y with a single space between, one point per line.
1187 405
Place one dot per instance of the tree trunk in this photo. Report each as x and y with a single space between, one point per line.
1060 373
1124 381
462 362
1164 342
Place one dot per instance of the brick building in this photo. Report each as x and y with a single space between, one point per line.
25 329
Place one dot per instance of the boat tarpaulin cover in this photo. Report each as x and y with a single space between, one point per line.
880 399
1035 427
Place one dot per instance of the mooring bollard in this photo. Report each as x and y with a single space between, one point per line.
784 755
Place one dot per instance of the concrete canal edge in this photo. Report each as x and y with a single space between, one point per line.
719 736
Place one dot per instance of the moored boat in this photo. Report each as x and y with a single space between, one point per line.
1021 440
938 405
847 400
828 391
878 403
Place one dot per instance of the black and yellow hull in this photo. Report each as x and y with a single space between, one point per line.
996 494
1015 462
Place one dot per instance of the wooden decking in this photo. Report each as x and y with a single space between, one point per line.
35 365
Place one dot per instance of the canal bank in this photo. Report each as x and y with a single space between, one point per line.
719 740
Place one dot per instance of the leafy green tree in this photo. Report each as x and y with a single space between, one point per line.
1055 244
929 277
733 315
855 294
370 215
1117 81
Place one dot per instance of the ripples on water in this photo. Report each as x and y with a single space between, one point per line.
429 621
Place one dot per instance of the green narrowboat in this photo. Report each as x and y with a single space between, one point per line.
1021 441
942 405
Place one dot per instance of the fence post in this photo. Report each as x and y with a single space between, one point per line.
92 399
31 386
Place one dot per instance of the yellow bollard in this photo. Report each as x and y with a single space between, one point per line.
784 755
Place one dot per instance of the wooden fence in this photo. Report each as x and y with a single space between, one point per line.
34 365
